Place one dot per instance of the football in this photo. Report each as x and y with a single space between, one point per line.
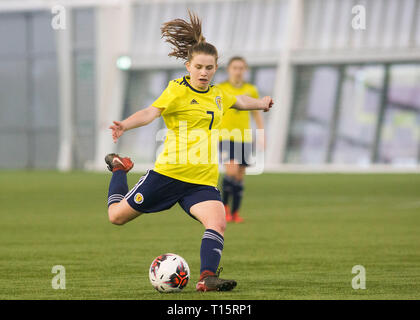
169 273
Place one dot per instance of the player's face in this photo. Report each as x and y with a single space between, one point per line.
236 71
202 68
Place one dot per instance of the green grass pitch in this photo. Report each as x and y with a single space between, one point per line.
302 236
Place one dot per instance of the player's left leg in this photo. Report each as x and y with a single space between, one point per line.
211 214
237 194
238 184
227 157
228 186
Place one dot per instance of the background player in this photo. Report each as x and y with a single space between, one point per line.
235 154
189 103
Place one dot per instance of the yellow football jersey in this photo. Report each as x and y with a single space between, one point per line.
238 119
191 116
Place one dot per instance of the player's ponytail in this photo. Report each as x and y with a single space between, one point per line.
186 38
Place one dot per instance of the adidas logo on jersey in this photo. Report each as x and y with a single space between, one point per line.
193 101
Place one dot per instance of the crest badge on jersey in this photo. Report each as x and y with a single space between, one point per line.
138 198
219 102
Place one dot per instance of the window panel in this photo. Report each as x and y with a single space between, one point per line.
351 152
313 107
359 106
359 103
84 31
43 41
358 109
404 89
264 80
400 137
45 92
13 34
13 93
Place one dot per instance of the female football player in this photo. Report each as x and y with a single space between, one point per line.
235 149
191 109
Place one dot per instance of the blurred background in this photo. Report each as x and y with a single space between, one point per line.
347 93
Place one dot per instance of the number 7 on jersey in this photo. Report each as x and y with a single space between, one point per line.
212 118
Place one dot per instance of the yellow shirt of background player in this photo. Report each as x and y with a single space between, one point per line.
238 119
190 116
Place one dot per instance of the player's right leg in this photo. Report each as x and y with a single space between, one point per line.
211 214
119 211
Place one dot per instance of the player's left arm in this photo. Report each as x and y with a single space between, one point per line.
244 102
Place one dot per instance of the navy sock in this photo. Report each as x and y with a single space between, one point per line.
227 189
118 187
238 189
211 250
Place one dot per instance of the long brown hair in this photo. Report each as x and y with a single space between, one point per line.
186 38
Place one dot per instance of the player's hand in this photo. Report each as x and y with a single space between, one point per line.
267 102
117 130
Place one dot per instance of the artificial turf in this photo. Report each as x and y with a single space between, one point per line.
302 235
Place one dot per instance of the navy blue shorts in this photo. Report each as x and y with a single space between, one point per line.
156 192
238 151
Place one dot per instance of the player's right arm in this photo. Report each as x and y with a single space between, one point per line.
143 117
138 119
